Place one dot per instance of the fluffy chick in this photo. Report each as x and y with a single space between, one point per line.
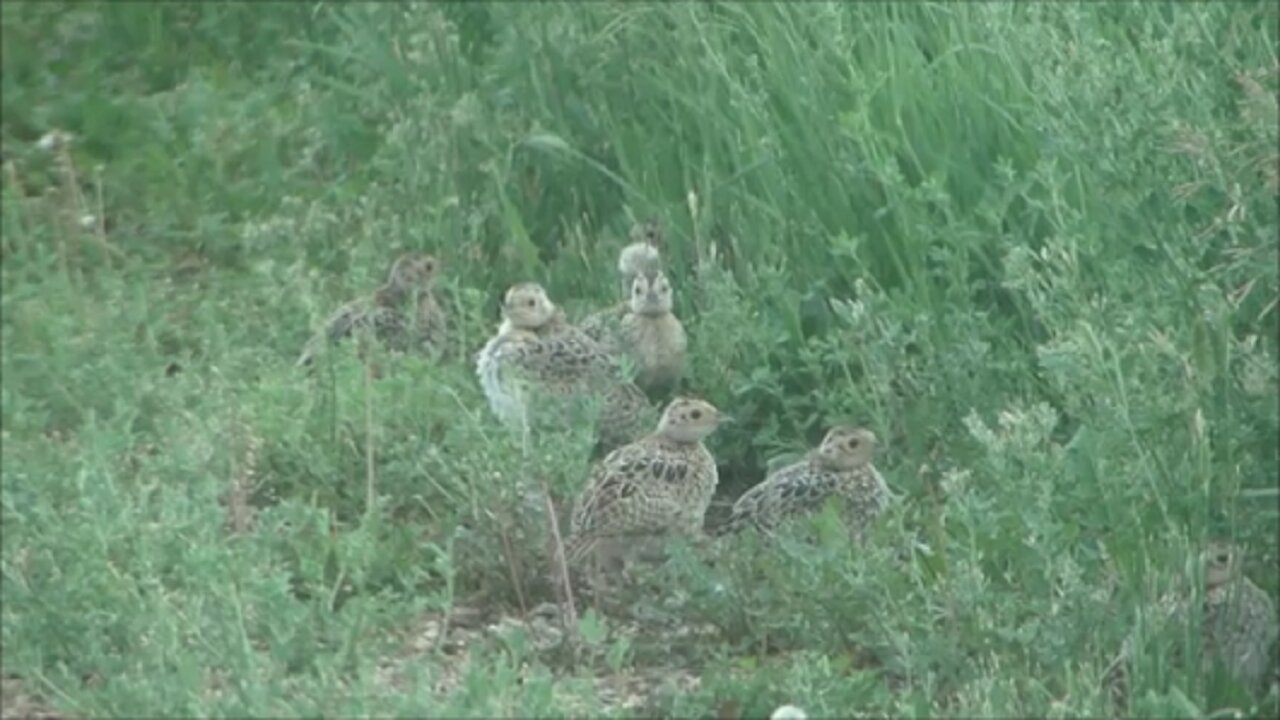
839 466
536 349
648 490
1237 622
403 313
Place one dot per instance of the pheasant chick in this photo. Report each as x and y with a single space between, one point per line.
642 255
1237 624
652 335
403 313
648 490
1239 621
535 346
840 466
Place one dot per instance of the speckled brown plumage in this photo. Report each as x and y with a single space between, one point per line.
403 313
536 350
646 491
841 466
1237 622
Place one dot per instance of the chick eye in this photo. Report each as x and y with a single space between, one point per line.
1223 558
854 443
696 414
529 303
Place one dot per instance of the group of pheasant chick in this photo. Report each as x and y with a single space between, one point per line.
652 486
654 483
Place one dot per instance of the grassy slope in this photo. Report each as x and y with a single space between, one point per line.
1032 247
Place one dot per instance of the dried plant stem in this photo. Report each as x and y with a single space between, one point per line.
370 477
77 205
512 567
243 480
560 567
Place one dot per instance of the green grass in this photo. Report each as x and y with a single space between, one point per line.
1033 246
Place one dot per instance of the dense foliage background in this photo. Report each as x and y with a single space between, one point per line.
1032 245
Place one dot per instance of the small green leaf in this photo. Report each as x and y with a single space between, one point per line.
547 141
617 654
1202 354
592 627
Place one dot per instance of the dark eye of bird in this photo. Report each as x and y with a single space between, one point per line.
853 443
696 414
